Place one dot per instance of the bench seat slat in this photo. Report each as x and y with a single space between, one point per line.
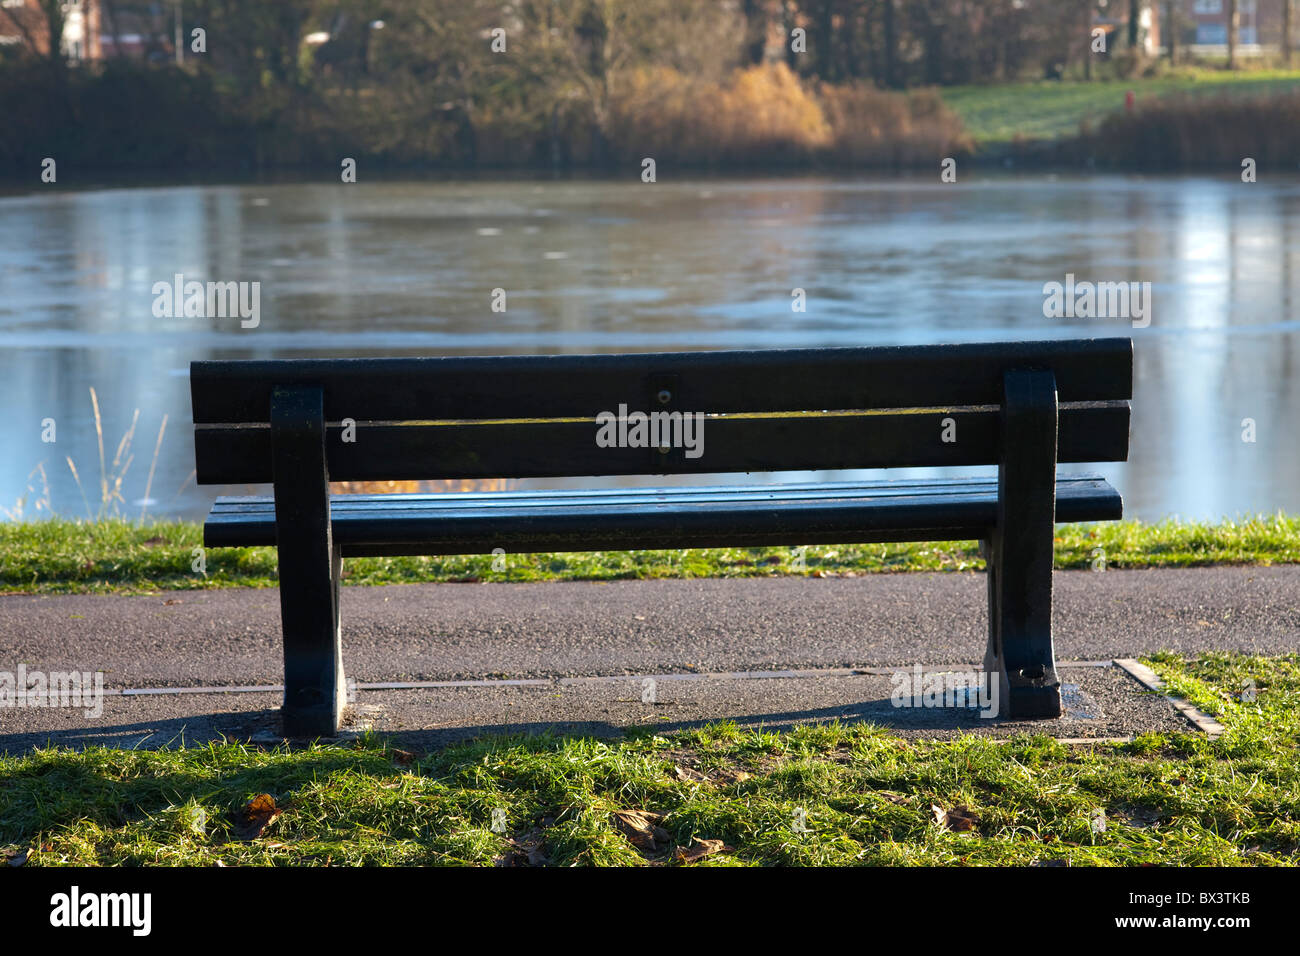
741 516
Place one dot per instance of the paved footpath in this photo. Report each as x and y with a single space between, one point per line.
446 632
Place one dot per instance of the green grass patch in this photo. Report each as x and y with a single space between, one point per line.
819 795
62 556
998 114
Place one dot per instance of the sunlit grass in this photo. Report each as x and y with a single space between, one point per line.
60 555
1003 112
819 795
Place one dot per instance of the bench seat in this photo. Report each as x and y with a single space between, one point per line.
674 517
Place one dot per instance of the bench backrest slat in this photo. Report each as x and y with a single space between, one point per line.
561 386
428 418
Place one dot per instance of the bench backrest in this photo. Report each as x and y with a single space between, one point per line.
772 410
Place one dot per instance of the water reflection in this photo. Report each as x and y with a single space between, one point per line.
409 268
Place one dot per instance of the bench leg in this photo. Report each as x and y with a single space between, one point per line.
1020 654
310 566
315 691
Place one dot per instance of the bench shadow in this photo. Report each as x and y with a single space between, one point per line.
263 727
880 713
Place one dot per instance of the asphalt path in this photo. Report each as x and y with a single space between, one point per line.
565 629
552 636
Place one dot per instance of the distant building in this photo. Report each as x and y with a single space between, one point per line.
1197 26
23 23
1203 25
139 32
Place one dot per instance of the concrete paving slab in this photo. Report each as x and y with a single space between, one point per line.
1102 702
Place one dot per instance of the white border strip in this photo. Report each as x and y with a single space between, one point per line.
1148 679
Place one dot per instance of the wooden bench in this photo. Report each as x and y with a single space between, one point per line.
1022 406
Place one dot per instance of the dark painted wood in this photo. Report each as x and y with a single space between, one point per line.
239 455
310 565
559 386
1020 653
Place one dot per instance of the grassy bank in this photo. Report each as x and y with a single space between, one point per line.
830 794
996 115
60 556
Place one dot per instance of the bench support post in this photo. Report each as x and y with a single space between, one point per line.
1020 656
310 565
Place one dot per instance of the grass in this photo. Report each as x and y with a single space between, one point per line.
118 556
999 114
818 795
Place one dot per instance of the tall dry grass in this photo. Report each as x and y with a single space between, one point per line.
112 474
1202 131
766 116
874 127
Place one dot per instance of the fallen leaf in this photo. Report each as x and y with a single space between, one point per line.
525 851
402 756
154 541
255 816
642 829
171 601
686 773
957 819
698 850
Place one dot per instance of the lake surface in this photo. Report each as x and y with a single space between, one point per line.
408 268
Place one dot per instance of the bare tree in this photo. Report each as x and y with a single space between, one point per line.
1172 20
48 14
1234 31
1087 39
1288 10
891 44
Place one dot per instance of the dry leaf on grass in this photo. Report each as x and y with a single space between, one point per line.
698 850
525 851
255 816
957 819
642 829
